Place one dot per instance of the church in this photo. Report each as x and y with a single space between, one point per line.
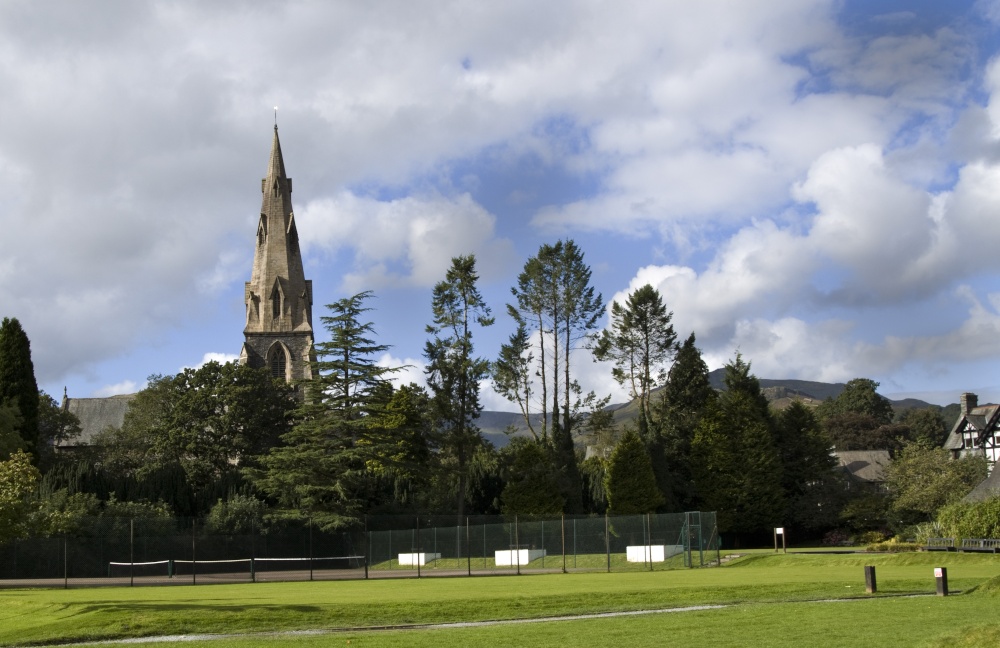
279 330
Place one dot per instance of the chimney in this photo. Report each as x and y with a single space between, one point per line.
969 402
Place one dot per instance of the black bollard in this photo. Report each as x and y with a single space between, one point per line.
941 578
870 586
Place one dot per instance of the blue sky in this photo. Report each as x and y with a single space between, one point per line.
814 184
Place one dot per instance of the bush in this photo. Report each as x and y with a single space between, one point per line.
837 538
871 537
893 545
971 519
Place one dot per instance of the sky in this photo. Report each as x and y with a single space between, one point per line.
812 184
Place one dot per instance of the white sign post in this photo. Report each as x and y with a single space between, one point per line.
780 531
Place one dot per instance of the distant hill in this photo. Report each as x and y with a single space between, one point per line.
780 393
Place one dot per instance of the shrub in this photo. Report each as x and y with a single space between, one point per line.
837 538
971 519
893 545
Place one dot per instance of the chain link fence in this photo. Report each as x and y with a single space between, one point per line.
121 551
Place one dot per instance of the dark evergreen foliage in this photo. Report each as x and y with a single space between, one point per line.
17 380
629 484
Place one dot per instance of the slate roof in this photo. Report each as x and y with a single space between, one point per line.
979 417
989 487
95 415
864 465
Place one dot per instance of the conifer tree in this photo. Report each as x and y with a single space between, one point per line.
735 463
629 484
684 399
17 380
554 297
453 372
640 342
321 470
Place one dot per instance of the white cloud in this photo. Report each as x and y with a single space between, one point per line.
211 356
411 370
124 387
409 241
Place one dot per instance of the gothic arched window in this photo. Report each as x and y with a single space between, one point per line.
278 363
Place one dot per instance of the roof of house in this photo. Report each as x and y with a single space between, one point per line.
979 417
988 488
865 465
96 414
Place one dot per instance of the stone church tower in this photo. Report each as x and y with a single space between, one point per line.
278 333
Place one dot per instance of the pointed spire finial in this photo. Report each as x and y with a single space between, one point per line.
275 117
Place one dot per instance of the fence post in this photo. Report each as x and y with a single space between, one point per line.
366 546
563 525
607 540
468 546
65 564
309 523
517 546
417 548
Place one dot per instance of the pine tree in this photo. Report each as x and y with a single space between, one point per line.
453 372
321 470
630 485
532 487
640 342
554 297
683 400
813 490
735 463
17 380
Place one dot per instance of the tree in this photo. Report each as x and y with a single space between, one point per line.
553 295
55 426
813 490
735 463
858 431
859 397
640 342
532 487
322 470
453 373
17 379
512 376
629 485
923 479
683 400
10 423
926 426
207 421
17 480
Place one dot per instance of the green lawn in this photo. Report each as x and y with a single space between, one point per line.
771 597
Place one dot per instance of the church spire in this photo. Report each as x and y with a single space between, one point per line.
278 332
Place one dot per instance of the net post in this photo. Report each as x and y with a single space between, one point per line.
66 563
194 554
310 525
468 547
418 547
131 552
253 572
170 568
367 545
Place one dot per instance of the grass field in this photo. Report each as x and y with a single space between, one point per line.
773 600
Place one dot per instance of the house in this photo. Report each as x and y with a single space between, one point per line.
977 430
865 467
95 416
